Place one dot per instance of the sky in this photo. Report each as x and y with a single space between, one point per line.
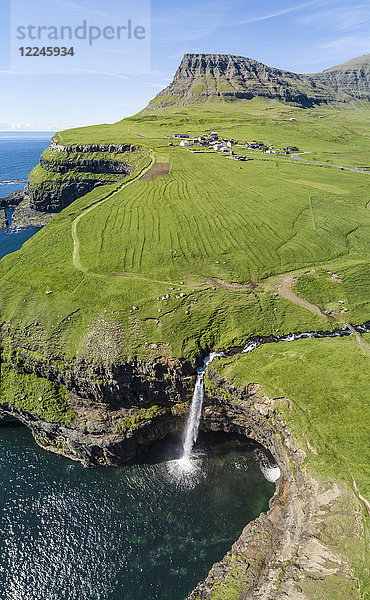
116 75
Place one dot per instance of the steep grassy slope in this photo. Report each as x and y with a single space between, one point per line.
139 273
209 217
326 407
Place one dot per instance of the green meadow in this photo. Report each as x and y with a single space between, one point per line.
209 217
189 262
326 409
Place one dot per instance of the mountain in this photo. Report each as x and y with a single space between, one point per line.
227 77
352 78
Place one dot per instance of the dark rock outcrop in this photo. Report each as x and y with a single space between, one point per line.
52 196
119 407
87 166
13 199
25 216
3 220
73 174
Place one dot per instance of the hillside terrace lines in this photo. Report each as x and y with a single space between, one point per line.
76 258
197 210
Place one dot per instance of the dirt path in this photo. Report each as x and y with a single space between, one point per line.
284 288
156 170
76 244
228 285
363 500
315 162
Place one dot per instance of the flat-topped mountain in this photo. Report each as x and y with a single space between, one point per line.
228 77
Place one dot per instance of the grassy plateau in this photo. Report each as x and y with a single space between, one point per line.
190 261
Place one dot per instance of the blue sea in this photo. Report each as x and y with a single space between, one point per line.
19 154
144 531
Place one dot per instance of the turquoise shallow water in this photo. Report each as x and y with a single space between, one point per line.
133 533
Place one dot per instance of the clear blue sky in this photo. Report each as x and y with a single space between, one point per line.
301 36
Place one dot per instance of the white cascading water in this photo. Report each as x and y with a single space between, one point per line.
192 425
187 470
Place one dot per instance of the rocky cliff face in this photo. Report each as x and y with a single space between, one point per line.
278 552
64 174
106 412
281 551
74 171
53 195
228 77
352 78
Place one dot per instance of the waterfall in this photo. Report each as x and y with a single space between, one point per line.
192 425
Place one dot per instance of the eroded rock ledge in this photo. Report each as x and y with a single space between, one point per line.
281 554
93 413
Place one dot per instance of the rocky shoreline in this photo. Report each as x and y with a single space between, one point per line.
3 219
274 553
24 215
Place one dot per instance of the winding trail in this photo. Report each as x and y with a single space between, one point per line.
297 155
284 283
76 244
284 289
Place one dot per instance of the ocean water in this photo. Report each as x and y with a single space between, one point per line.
144 531
19 153
139 532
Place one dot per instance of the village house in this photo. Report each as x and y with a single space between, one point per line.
180 135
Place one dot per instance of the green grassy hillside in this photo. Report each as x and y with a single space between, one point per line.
327 408
209 217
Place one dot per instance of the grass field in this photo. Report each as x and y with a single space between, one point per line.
125 272
252 231
328 413
345 131
209 217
